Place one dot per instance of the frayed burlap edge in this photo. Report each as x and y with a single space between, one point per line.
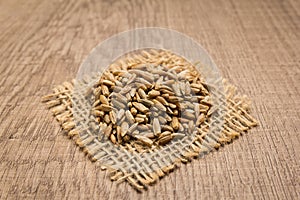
237 121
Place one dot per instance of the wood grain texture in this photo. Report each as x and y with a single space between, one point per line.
256 44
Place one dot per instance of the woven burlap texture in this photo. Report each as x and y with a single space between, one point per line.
143 169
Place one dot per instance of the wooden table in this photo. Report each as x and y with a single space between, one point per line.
256 45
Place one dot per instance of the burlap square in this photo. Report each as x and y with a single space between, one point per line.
142 169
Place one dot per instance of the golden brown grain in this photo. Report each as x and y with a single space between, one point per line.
149 104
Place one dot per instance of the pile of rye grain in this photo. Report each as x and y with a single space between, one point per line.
148 98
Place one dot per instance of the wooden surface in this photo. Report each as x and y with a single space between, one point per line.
256 44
